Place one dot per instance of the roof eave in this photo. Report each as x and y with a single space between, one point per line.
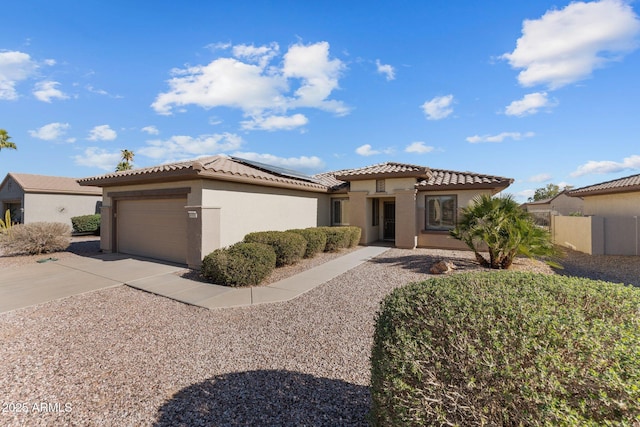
143 178
383 175
618 190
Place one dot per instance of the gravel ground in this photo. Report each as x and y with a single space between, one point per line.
125 357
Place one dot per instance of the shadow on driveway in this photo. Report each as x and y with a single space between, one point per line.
267 397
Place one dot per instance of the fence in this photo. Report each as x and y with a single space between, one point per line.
597 235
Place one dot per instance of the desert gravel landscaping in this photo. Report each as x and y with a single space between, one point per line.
125 357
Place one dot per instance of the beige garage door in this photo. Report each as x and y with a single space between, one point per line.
154 228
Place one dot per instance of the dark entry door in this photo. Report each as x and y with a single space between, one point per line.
389 219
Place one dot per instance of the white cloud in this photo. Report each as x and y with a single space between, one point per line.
386 69
542 177
566 45
47 90
438 108
182 147
516 136
302 163
247 82
529 104
102 133
608 166
14 67
318 74
50 132
261 55
275 122
98 158
151 130
418 147
366 150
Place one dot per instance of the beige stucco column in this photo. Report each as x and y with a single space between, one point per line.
406 234
106 229
358 212
203 233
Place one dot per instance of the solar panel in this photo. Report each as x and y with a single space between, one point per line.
290 173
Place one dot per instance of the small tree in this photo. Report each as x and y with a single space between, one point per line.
5 141
504 229
127 158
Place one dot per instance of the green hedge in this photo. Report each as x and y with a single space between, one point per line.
338 238
316 240
507 348
86 223
289 247
242 264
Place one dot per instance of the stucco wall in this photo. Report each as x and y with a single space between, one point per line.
612 205
583 234
246 208
441 239
57 207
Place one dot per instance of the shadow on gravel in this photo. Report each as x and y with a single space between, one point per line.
262 398
422 263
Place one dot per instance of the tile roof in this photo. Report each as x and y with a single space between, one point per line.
621 185
380 170
50 184
454 179
213 167
237 169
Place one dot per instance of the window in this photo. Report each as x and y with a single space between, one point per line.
380 186
441 212
375 212
340 211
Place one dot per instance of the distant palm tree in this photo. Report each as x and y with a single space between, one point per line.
127 155
127 158
4 140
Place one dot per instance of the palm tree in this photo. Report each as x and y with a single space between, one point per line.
501 227
127 155
4 140
127 158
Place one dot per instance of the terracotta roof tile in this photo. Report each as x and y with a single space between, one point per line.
221 167
381 170
447 178
236 169
51 184
621 185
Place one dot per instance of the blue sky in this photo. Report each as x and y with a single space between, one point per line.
542 92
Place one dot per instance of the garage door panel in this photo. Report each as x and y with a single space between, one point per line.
155 228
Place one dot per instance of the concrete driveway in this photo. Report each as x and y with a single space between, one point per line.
41 282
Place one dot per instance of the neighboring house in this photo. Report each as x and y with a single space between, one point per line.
182 211
33 198
560 204
610 222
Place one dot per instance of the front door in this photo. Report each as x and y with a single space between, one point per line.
389 219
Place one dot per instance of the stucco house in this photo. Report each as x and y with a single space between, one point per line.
561 204
182 211
610 222
33 198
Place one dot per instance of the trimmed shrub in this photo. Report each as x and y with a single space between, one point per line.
289 247
37 238
507 349
338 238
316 240
354 236
86 223
242 264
